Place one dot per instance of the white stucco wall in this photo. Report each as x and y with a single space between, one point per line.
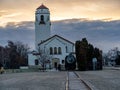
57 42
31 59
42 31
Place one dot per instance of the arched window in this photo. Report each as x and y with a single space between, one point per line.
42 18
51 50
55 50
66 49
59 50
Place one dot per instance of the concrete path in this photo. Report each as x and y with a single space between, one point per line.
33 81
75 83
107 79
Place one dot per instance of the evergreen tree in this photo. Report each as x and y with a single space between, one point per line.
85 53
90 56
77 50
81 54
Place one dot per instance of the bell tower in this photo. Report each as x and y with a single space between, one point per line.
42 24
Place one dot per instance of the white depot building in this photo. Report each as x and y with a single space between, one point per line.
52 49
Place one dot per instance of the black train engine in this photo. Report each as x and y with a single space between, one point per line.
70 62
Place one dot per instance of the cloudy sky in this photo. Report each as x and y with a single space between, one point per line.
97 20
23 10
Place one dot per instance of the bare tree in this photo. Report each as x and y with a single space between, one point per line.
111 56
17 54
44 58
4 56
1 55
14 55
22 49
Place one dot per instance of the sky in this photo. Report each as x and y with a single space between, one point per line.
97 20
23 10
103 35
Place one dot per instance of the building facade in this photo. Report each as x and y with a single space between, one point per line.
57 48
53 48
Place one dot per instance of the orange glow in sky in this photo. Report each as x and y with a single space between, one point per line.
23 10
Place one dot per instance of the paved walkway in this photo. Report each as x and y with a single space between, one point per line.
33 81
108 79
75 83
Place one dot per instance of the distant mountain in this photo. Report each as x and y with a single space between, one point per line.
103 34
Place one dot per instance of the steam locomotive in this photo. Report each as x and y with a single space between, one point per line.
70 62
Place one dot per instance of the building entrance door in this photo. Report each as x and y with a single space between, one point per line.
55 65
55 62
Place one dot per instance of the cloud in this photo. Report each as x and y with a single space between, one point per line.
103 34
64 9
2 12
12 15
18 32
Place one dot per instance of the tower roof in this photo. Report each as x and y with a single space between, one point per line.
42 7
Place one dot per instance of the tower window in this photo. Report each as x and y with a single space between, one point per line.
59 50
55 50
42 19
51 50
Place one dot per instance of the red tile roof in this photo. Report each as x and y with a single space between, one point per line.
42 7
